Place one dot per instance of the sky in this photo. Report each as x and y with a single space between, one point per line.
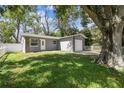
50 10
51 13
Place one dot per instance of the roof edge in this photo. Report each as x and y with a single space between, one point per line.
50 37
74 35
38 36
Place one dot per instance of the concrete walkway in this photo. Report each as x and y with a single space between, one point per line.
89 52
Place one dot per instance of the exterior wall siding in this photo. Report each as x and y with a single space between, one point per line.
50 45
27 47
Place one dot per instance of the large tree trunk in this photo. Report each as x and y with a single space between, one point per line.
111 53
110 20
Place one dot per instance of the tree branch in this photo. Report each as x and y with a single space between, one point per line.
93 16
47 23
44 29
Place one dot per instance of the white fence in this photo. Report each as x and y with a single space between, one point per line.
12 47
2 51
92 47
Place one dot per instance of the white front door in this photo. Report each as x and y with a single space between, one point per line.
42 44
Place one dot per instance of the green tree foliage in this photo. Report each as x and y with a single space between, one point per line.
96 36
70 31
66 16
16 16
85 20
87 33
93 34
56 34
40 22
32 21
2 9
7 31
27 19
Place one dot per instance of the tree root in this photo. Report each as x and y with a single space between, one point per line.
111 60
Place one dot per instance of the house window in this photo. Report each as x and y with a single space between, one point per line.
34 42
54 42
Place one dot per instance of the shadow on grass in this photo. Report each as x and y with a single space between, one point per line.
3 58
58 70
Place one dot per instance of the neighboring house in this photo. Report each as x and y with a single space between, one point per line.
34 43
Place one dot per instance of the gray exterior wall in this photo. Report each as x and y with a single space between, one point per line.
72 39
27 47
49 45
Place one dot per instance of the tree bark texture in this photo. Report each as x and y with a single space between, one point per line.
111 53
111 25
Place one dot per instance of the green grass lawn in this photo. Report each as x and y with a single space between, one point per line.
55 69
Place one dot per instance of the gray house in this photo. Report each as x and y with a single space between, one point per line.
36 43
